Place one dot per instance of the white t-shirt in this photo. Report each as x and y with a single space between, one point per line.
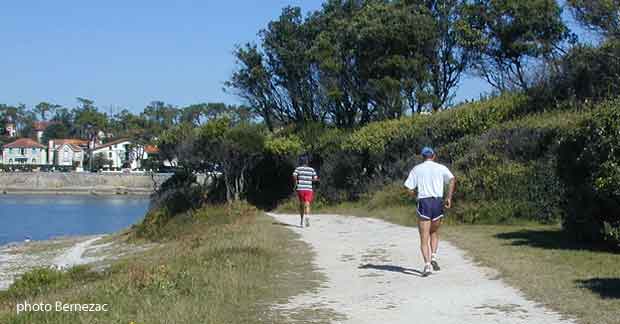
430 178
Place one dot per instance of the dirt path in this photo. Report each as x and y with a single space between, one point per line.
75 255
372 269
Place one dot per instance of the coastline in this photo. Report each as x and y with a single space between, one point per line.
104 184
98 250
16 258
137 192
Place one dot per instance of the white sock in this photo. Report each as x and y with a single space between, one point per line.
434 257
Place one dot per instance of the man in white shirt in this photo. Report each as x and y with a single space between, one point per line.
429 179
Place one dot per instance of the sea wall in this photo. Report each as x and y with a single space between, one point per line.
80 183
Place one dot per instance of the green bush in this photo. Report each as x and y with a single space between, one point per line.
589 167
41 280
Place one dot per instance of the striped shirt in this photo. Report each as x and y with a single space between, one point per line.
305 175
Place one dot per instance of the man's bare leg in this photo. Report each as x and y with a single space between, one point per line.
424 227
307 212
301 213
434 232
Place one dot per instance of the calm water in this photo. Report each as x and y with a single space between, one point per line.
44 217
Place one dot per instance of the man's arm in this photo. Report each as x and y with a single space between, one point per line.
411 184
451 189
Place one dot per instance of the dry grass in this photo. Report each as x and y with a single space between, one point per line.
578 280
228 272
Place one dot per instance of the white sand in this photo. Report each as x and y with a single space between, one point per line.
372 269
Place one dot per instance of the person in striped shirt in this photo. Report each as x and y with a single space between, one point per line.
304 177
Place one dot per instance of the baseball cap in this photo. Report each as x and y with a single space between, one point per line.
427 152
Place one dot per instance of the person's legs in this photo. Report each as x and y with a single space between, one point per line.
424 226
434 233
307 212
301 208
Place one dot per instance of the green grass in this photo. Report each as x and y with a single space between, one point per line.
215 269
574 279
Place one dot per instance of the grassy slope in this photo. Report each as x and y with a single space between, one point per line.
226 273
574 279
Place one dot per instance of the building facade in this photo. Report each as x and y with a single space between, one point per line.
119 153
24 151
67 152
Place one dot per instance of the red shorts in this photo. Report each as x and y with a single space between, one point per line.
305 196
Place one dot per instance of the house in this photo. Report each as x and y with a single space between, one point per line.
9 127
40 127
119 153
67 152
24 151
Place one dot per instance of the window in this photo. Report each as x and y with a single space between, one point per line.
22 151
66 156
110 155
34 151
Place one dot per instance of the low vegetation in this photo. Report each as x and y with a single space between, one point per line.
221 264
581 281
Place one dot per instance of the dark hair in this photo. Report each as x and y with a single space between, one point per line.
304 160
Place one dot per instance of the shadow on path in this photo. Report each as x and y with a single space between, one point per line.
391 268
285 224
607 288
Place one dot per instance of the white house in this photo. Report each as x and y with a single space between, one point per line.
67 152
123 153
24 151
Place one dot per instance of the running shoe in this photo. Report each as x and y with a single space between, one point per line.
427 271
435 265
307 222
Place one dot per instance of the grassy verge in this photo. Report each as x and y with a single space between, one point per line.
215 268
579 280
574 279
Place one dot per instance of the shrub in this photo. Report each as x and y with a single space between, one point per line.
41 280
590 171
177 195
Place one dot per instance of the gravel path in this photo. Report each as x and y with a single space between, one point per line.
373 276
75 255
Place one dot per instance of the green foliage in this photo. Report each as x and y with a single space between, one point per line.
590 170
599 15
54 131
42 280
588 72
505 34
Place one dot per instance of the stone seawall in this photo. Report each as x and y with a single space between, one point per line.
80 183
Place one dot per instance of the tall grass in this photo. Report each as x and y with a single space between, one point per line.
220 265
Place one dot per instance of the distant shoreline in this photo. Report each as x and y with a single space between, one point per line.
120 192
98 184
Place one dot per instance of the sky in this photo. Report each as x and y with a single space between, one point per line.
125 54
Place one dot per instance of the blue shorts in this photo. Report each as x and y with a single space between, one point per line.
430 208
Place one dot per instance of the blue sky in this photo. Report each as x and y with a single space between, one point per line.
129 53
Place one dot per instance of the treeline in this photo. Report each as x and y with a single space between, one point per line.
347 84
353 62
86 119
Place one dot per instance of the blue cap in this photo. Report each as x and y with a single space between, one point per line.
427 152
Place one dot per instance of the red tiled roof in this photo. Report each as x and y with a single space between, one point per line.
74 141
42 125
24 143
151 149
